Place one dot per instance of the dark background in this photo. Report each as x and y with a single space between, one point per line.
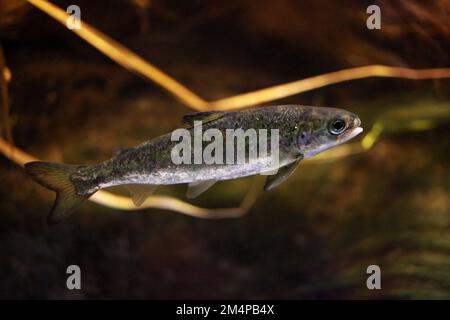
313 237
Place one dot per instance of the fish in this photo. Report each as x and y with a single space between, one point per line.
301 132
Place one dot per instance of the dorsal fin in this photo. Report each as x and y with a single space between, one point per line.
121 151
204 117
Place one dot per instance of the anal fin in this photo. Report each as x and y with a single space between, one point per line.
140 192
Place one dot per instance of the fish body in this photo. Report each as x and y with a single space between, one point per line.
302 132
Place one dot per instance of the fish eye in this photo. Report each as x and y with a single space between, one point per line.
337 126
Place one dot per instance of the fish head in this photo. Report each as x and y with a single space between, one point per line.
322 128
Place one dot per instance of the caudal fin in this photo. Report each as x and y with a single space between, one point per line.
56 177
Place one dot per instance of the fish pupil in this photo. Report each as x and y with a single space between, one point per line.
337 126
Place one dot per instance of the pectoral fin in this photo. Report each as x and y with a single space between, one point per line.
140 192
282 174
197 188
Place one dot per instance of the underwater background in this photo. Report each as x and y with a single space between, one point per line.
314 236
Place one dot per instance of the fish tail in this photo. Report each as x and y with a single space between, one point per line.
56 177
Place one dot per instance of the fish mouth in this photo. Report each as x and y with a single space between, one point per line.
353 132
356 131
